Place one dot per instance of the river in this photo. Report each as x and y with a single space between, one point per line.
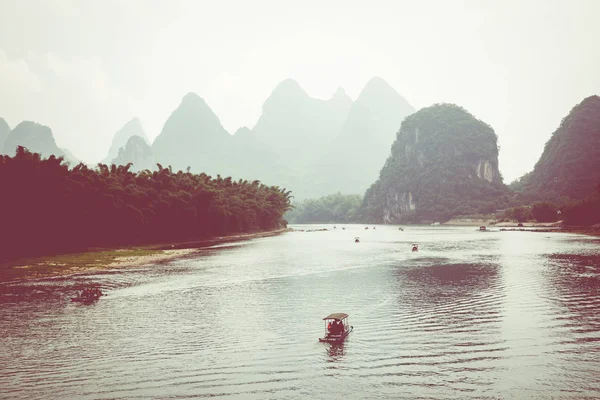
471 315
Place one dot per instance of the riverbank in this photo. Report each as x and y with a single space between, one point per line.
525 226
488 223
101 259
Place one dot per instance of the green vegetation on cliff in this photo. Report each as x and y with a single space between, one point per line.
569 167
45 208
444 163
585 212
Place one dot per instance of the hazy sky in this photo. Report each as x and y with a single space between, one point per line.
85 67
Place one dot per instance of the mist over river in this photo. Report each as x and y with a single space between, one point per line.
471 315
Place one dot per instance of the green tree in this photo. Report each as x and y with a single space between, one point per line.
543 212
52 209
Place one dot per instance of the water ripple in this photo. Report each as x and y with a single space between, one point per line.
472 315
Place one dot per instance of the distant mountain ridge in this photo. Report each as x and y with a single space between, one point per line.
290 139
308 145
311 146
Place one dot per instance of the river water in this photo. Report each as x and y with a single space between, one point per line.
471 315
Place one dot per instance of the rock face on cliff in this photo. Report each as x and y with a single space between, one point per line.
131 128
4 131
355 156
569 168
443 163
137 152
35 137
193 136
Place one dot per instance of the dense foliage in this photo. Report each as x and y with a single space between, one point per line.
444 163
544 212
329 209
584 212
570 164
520 214
46 207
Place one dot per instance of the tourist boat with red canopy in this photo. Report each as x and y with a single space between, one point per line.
336 328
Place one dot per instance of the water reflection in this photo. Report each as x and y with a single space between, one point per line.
459 295
335 352
575 284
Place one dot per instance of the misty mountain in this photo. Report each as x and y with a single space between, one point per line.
70 158
252 159
297 126
354 157
138 152
311 146
35 137
444 162
193 136
569 167
131 128
4 131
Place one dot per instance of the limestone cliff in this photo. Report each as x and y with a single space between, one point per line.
443 163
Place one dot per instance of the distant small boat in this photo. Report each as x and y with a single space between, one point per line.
435 224
400 229
366 227
482 228
415 247
357 240
336 328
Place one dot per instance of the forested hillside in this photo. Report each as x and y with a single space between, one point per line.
443 163
333 208
45 207
569 167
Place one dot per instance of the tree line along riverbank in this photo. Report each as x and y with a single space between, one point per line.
48 208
